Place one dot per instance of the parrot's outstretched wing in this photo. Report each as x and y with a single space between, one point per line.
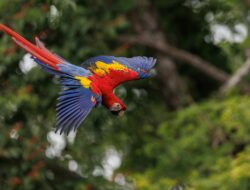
74 104
122 69
76 99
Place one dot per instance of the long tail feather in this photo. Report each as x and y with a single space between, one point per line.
39 52
44 60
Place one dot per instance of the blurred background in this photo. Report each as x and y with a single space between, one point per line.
187 128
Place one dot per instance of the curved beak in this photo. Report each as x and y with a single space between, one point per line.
118 113
121 113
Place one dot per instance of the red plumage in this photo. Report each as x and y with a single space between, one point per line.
107 83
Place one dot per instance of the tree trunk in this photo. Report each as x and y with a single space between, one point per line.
144 21
172 86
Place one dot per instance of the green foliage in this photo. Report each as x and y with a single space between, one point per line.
205 147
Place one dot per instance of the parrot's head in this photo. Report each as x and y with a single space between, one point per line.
114 104
118 108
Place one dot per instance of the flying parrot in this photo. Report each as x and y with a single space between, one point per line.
88 85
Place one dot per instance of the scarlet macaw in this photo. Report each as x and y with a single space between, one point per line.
87 86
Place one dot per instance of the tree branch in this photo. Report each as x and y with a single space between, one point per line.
173 86
178 54
237 77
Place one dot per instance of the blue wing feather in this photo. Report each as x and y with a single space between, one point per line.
80 119
64 69
73 107
75 101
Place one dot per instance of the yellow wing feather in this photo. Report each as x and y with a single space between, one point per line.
85 82
100 68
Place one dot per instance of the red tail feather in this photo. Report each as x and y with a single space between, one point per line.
40 53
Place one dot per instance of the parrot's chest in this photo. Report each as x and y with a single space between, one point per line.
108 81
